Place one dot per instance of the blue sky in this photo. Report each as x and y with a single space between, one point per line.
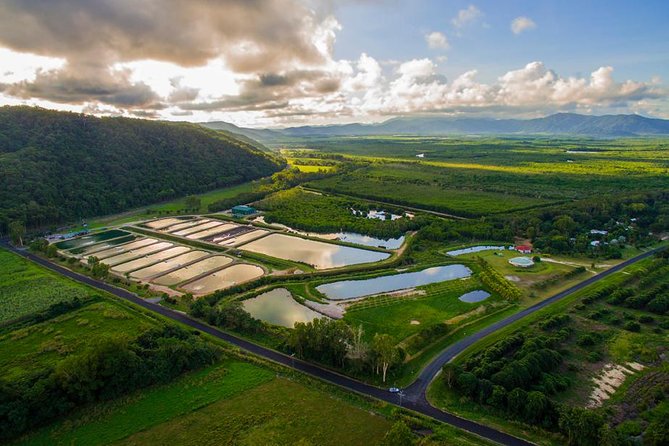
292 62
572 37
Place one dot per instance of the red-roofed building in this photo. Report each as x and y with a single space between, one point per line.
524 249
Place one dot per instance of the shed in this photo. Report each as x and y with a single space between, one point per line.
243 209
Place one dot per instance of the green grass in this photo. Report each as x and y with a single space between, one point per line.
279 412
393 315
378 183
26 288
43 345
109 422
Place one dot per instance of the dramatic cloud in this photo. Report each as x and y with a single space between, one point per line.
258 62
522 24
437 40
251 36
466 16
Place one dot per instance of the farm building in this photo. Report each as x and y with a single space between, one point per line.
524 249
242 209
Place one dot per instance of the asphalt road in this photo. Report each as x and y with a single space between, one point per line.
413 397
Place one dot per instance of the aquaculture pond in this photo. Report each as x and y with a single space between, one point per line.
86 240
119 249
320 255
474 296
350 289
224 278
100 246
279 308
194 270
150 259
167 265
136 253
474 249
366 240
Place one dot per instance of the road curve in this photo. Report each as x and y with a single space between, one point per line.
427 374
414 396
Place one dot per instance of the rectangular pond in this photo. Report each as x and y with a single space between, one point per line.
278 307
245 237
167 265
120 249
198 228
366 240
149 259
212 231
87 250
194 270
320 255
186 225
163 223
129 255
225 278
350 289
90 239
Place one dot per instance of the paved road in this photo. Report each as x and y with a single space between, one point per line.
414 396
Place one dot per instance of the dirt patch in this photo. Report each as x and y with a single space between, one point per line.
415 322
512 278
475 312
609 379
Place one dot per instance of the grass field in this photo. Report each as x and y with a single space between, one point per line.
26 288
43 345
231 403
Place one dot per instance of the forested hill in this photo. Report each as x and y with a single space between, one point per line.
57 166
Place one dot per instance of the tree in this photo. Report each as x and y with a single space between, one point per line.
16 232
449 373
193 202
398 435
385 351
581 426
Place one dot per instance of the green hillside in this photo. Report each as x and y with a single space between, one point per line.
57 166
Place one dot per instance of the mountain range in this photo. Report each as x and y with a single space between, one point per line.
606 126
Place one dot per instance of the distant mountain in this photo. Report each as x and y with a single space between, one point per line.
255 135
557 124
58 166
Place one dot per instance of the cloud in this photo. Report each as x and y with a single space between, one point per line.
418 88
522 24
94 36
437 40
466 16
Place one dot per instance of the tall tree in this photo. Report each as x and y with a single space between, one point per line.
385 351
17 231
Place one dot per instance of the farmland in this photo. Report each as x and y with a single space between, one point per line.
609 337
26 288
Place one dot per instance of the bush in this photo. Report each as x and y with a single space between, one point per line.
632 326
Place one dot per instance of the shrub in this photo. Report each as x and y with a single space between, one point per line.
632 326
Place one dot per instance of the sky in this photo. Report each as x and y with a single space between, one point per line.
277 63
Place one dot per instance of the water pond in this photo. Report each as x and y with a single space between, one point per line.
350 289
225 278
474 249
135 253
320 255
90 239
366 240
279 308
474 296
194 270
120 249
87 250
150 259
169 264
